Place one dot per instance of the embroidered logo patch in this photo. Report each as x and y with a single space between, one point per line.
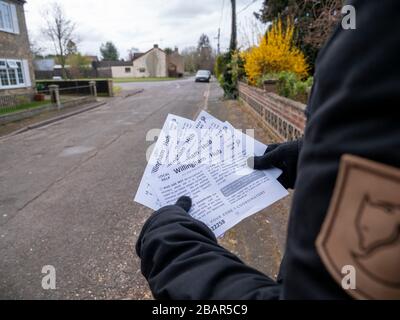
362 228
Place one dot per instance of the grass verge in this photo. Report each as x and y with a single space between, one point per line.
24 106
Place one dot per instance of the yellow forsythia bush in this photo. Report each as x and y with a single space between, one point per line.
275 53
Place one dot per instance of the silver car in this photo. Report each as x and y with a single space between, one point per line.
203 76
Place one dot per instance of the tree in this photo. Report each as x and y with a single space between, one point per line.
275 53
72 48
109 51
314 21
168 50
131 53
206 58
190 59
77 64
204 42
36 49
60 30
251 30
205 54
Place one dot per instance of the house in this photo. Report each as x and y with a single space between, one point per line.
16 68
46 64
152 63
113 69
157 63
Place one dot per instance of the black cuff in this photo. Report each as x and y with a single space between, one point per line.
151 220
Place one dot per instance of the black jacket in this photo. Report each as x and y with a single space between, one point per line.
354 108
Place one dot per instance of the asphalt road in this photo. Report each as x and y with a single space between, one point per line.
66 195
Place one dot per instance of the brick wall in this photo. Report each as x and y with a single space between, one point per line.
283 117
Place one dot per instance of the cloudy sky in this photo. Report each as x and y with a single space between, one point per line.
142 23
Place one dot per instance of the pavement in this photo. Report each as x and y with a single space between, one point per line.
22 125
66 194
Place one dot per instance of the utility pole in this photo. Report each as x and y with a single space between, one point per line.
233 44
219 39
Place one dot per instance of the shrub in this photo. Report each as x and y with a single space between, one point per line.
287 84
220 65
290 86
237 67
229 69
274 54
265 77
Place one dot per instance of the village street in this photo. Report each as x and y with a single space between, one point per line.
66 197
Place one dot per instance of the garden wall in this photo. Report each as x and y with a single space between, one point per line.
285 118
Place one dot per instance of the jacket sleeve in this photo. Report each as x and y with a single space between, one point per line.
181 259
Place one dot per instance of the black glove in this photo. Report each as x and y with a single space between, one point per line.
283 156
185 203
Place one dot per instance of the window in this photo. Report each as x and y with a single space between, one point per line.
142 70
12 64
19 71
12 74
127 70
8 17
4 78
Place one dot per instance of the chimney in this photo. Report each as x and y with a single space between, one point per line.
155 46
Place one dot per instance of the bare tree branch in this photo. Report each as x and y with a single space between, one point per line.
60 31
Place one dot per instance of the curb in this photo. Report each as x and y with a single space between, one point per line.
52 120
131 94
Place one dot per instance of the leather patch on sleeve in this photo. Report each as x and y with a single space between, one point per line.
362 228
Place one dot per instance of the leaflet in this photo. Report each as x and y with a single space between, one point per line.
206 159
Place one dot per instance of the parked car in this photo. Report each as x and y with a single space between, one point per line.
203 76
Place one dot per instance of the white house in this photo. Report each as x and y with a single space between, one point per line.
153 63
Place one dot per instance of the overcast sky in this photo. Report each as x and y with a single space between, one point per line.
142 23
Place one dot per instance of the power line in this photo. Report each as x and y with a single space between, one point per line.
247 6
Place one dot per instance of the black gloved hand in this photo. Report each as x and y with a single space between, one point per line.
185 203
283 156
